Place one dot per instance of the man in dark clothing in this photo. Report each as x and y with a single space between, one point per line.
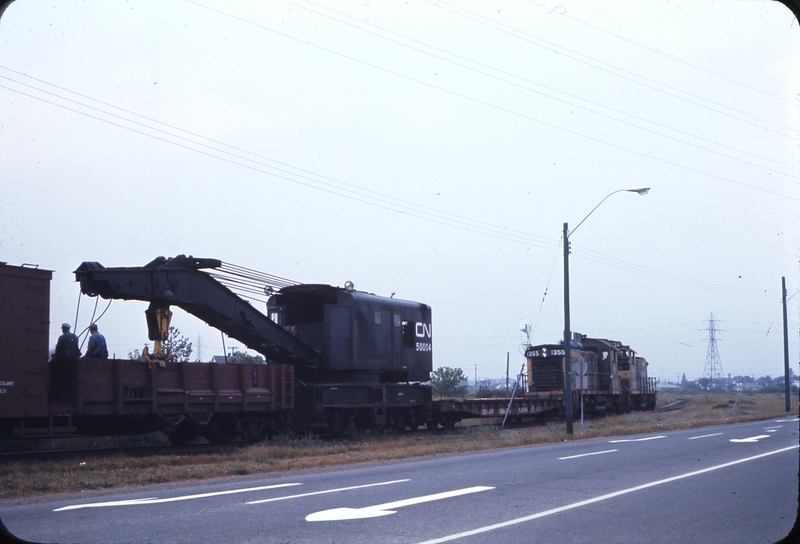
67 345
97 344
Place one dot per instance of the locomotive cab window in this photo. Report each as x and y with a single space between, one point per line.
275 316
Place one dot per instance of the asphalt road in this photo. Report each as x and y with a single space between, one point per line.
737 483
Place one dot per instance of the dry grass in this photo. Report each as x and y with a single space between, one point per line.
31 478
702 411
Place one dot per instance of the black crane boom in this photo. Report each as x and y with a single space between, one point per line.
179 281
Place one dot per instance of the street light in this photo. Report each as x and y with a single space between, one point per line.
567 332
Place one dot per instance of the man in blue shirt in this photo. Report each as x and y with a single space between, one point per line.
97 344
67 345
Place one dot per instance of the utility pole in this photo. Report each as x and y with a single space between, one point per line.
567 339
508 358
476 376
787 379
567 332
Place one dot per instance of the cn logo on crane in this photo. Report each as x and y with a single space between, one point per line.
423 330
424 333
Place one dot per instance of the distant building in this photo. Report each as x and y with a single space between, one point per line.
669 387
751 386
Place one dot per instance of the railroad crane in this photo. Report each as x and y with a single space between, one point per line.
359 359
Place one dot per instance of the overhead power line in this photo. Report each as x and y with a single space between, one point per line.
494 106
339 188
521 35
665 55
620 264
370 197
692 136
526 237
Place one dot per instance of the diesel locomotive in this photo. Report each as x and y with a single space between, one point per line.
607 376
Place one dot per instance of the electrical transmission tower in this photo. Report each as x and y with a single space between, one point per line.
200 347
713 368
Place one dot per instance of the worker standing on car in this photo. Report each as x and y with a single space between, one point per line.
97 344
67 345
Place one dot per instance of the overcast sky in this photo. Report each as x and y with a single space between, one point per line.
428 149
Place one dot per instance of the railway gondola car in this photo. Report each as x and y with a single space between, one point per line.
40 397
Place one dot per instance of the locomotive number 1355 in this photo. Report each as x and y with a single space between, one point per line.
545 353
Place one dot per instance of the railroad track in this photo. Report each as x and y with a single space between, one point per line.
672 406
205 447
129 451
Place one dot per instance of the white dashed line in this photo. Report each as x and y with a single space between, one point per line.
704 436
636 439
585 454
156 500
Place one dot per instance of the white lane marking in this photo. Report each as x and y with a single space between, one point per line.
775 427
704 436
585 454
156 500
517 521
99 504
338 514
786 420
772 431
750 439
636 439
327 491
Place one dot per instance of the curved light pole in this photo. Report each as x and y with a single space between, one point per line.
567 332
